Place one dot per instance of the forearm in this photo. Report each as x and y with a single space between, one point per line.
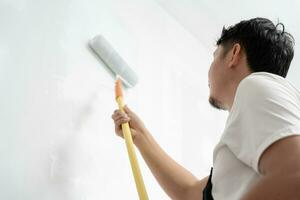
173 178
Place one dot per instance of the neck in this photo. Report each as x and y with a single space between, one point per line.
232 90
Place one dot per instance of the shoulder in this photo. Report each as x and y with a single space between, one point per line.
261 82
262 86
266 95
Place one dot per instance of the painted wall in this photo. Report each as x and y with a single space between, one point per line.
57 137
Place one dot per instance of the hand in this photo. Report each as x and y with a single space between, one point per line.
136 125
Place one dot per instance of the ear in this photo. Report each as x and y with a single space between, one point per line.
234 55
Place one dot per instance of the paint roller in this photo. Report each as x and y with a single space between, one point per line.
112 60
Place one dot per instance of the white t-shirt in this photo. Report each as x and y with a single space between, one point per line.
266 108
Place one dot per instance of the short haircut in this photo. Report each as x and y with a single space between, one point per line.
267 47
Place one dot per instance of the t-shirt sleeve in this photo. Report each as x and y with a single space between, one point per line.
263 112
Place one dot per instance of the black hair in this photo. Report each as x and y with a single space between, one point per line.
267 48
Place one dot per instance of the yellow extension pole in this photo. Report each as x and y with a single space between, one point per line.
140 186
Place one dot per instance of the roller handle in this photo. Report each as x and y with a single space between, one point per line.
140 186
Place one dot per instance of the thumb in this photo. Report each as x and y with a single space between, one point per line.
127 110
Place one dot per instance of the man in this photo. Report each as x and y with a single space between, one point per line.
258 155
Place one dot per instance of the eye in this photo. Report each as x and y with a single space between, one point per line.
214 54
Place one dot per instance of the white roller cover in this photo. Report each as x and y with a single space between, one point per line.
113 60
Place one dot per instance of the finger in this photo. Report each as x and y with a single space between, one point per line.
127 109
117 112
122 117
121 121
119 131
118 115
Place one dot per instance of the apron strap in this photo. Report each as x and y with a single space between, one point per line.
207 190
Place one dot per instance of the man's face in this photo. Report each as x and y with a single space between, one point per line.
216 78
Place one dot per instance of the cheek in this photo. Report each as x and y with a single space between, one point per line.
211 72
213 78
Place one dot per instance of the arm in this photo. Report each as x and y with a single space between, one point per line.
176 181
280 168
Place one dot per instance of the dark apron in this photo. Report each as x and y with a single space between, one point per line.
207 190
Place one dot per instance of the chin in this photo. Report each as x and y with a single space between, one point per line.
214 102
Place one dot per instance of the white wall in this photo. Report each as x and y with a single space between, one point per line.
57 137
204 19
